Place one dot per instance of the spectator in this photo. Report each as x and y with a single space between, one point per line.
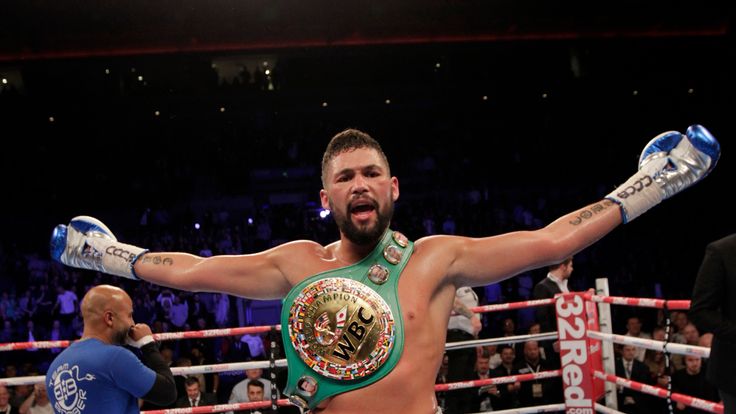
67 304
8 333
691 334
257 392
627 366
211 380
20 393
26 304
5 406
554 283
37 402
484 393
679 321
179 312
222 310
255 345
537 392
691 381
9 307
240 391
633 328
507 397
464 325
194 397
56 334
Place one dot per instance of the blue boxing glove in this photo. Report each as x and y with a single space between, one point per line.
670 163
87 243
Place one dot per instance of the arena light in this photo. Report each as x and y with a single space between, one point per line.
324 213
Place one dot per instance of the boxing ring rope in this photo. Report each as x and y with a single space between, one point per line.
265 364
606 410
219 408
641 302
671 347
593 334
498 307
181 371
497 381
662 393
164 336
661 346
549 408
503 340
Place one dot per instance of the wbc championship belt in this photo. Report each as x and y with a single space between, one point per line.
344 326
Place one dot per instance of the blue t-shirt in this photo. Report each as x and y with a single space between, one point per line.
91 377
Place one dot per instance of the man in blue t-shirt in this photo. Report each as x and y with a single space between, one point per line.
97 374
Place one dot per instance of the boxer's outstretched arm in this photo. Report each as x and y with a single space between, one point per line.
669 163
255 276
88 244
480 261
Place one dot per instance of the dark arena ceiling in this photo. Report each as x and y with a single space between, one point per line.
41 29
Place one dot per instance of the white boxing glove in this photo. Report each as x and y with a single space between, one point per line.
87 243
670 163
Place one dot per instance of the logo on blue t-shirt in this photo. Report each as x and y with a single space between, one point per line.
70 399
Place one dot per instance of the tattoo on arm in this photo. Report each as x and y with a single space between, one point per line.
591 211
158 260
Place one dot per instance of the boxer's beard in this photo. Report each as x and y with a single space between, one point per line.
120 336
368 234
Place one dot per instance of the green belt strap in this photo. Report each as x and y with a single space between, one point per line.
326 386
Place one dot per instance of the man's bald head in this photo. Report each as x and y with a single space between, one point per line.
101 298
108 312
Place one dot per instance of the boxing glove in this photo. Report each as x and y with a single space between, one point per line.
670 163
87 243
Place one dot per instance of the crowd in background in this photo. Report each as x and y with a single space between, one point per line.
41 299
178 157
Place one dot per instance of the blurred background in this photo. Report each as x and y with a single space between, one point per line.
199 126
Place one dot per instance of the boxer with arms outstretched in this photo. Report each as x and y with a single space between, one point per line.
364 318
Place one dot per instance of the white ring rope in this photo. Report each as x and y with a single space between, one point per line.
709 406
265 364
606 410
549 408
673 348
450 346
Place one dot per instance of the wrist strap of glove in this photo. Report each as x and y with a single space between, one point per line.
638 194
117 258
